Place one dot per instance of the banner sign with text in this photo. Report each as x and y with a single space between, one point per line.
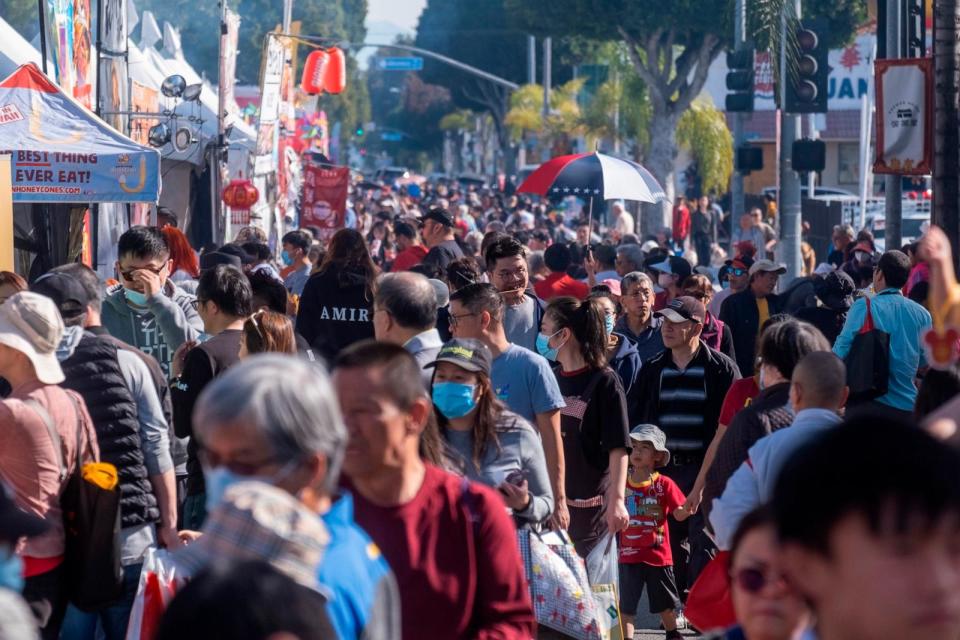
904 117
63 153
324 200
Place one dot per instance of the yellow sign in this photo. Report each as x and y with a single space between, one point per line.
6 213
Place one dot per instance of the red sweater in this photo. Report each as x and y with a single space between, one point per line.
560 284
409 257
458 578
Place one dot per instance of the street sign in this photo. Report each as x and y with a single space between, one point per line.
391 136
406 63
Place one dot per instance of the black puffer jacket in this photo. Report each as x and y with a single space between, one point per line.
336 310
93 371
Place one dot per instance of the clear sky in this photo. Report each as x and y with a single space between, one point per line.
401 13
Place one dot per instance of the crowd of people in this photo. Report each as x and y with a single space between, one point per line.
356 441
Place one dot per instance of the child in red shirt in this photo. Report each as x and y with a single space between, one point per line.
645 557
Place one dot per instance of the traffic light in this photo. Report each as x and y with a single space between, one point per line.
359 130
749 158
806 84
740 81
808 155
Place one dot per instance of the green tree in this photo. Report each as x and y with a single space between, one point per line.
22 16
670 46
703 131
554 131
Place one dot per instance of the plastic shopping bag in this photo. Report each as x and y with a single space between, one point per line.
155 591
603 571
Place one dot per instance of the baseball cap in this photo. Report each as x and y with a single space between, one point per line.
237 250
768 266
439 215
675 265
681 309
65 291
31 324
649 245
654 435
467 353
214 258
15 523
257 521
613 284
740 262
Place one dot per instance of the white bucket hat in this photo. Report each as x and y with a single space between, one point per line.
31 324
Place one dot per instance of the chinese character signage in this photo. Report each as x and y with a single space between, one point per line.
904 116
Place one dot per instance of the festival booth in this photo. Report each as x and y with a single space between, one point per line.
63 158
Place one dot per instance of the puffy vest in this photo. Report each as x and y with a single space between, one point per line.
94 372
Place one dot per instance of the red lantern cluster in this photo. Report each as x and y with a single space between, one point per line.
324 71
240 195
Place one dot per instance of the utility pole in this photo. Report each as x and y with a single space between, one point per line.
814 135
547 74
737 200
531 60
790 210
220 221
893 184
946 164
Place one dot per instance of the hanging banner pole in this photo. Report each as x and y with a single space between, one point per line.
6 213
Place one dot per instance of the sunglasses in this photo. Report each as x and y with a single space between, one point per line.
128 274
754 580
738 272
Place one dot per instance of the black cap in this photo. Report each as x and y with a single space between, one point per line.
237 250
440 215
15 523
213 258
835 290
683 308
467 353
65 291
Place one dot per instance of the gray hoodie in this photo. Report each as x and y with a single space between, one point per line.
168 321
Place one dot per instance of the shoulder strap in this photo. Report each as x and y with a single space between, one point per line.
868 320
41 411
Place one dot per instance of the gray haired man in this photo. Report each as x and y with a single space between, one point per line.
275 418
405 313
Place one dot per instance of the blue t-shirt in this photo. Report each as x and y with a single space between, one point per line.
524 382
356 577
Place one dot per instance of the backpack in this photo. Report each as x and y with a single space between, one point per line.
90 503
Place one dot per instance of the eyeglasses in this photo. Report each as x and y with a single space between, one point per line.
196 302
699 295
639 293
128 274
455 320
755 580
507 275
211 460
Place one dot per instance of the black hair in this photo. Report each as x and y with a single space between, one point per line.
605 254
489 238
847 471
920 292
784 344
895 266
168 215
267 291
228 288
586 321
504 247
258 250
463 271
428 269
938 387
557 257
299 239
405 229
143 243
245 600
479 297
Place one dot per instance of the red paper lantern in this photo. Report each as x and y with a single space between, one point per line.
314 72
240 195
335 76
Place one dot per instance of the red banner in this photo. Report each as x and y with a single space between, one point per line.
324 199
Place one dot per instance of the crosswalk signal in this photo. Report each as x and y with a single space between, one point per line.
359 131
740 81
806 87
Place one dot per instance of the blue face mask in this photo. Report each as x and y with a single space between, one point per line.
287 260
543 346
11 570
608 322
454 399
725 284
135 297
219 479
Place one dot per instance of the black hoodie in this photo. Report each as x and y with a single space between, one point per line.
336 310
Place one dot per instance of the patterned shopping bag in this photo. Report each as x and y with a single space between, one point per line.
562 597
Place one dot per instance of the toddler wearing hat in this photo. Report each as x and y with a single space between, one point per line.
645 556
